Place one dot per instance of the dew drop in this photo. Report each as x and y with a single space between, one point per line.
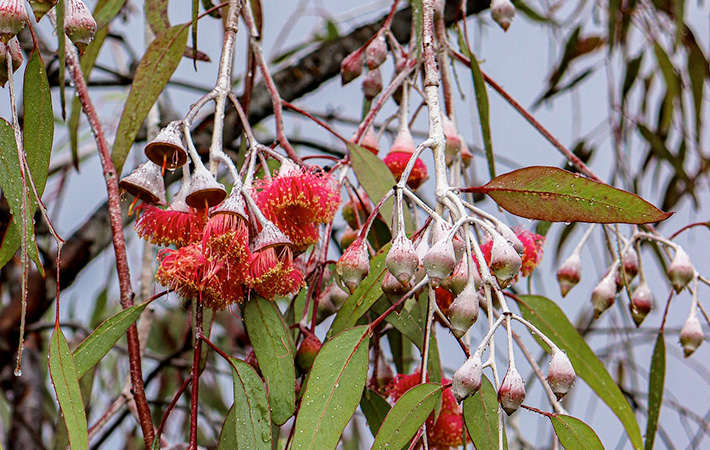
18 372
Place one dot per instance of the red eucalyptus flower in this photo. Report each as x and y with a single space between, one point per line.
272 272
177 226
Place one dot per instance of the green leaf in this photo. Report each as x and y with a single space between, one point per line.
656 384
673 83
402 321
376 178
375 408
407 416
228 435
697 71
156 13
575 434
251 426
61 50
417 20
105 12
97 344
275 351
61 436
153 73
483 109
632 71
556 195
480 414
364 296
531 13
333 390
11 184
66 385
550 320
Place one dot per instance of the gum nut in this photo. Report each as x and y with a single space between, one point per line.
145 182
681 270
463 312
79 24
13 18
440 261
467 380
560 375
569 273
603 295
353 266
204 191
402 260
167 148
631 264
512 391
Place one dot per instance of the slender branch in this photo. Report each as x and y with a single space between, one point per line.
196 375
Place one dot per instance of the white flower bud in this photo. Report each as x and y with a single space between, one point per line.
502 12
603 295
353 266
681 270
569 273
560 375
463 312
402 260
512 391
691 334
467 380
440 261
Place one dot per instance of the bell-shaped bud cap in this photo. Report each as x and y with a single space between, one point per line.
502 12
512 391
403 142
205 191
641 303
603 295
270 236
351 67
458 280
79 24
167 149
467 380
372 84
440 261
353 266
145 182
560 375
569 273
376 52
369 141
505 261
13 18
691 334
463 312
402 260
681 270
233 204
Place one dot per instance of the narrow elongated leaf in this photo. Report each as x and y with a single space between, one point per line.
275 351
377 180
402 321
153 73
656 385
417 19
333 390
106 11
375 408
38 132
556 195
97 344
407 415
480 414
575 434
697 71
364 296
11 184
673 83
632 71
60 10
228 435
66 385
550 320
252 421
61 436
483 110
156 13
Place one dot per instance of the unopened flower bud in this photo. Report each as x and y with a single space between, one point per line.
402 260
15 54
369 141
337 295
463 312
372 84
353 266
641 303
502 12
440 261
399 155
512 238
392 288
453 139
691 334
505 261
631 264
467 380
603 295
42 7
307 352
351 67
569 273
79 24
376 52
512 391
13 17
422 249
460 278
681 270
560 375
348 237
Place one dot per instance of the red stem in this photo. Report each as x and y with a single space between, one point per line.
687 227
119 244
295 108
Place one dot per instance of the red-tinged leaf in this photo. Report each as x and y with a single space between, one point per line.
66 385
575 434
153 73
156 13
106 11
656 385
556 195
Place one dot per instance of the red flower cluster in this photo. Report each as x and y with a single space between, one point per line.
298 201
213 259
447 431
533 249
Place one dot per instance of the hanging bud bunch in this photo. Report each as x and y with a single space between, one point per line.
569 273
691 334
79 24
399 155
13 18
603 295
560 375
353 266
15 55
372 84
511 392
503 13
641 303
681 270
376 52
467 379
351 66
